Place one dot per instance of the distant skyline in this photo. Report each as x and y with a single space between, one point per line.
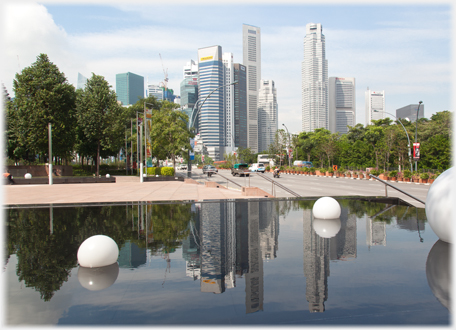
403 49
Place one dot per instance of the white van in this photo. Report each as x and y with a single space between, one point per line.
257 167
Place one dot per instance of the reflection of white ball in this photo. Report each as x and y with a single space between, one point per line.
27 176
95 279
144 175
438 207
108 176
326 228
326 208
98 251
438 272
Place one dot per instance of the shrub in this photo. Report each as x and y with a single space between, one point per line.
375 172
330 170
167 171
312 170
268 168
424 176
393 174
407 174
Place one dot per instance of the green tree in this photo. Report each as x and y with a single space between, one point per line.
169 133
246 155
42 96
100 118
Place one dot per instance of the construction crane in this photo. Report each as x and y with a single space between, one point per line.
165 81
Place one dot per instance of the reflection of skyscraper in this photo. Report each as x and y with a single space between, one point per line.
269 230
343 245
212 252
375 232
191 249
254 278
131 256
316 265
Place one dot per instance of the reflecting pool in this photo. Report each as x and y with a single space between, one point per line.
237 262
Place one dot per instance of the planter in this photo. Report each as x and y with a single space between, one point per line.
430 181
342 175
400 179
355 176
406 179
423 180
393 178
361 176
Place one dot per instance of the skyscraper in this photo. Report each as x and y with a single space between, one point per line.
211 116
82 81
314 80
267 114
251 45
129 88
410 112
229 102
374 101
240 106
342 104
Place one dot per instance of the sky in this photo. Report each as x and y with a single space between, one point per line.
401 48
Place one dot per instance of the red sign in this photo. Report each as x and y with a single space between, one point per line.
416 151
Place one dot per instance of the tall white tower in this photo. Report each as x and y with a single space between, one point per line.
229 102
342 104
267 114
251 46
314 80
374 101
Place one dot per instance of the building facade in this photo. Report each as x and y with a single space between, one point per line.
375 105
240 106
229 102
342 104
211 116
129 88
267 114
251 45
314 80
409 112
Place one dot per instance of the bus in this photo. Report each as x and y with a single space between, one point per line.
266 160
302 163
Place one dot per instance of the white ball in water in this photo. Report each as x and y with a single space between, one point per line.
98 251
326 208
439 200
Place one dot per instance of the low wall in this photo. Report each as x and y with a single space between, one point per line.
210 184
254 191
75 179
40 170
162 178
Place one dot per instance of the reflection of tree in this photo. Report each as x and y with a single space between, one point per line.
45 259
169 224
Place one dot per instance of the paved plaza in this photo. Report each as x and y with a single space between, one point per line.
130 189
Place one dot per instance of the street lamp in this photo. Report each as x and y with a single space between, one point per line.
409 152
194 114
416 130
288 151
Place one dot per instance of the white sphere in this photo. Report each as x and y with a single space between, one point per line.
144 175
27 176
156 176
98 251
326 228
95 279
438 272
108 176
326 208
438 207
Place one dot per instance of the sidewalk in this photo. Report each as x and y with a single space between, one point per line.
126 189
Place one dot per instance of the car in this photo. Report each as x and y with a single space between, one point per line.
209 168
240 169
183 166
257 167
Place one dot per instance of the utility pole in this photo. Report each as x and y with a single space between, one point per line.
416 131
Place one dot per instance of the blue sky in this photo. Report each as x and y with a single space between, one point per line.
403 49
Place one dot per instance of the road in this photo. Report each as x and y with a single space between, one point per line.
314 186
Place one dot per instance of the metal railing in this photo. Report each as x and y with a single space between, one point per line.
390 185
228 180
276 184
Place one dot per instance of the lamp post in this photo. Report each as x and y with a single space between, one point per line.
408 139
288 151
194 114
416 130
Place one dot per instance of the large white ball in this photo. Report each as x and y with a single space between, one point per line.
98 251
439 204
108 176
438 272
95 279
27 175
326 228
326 208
